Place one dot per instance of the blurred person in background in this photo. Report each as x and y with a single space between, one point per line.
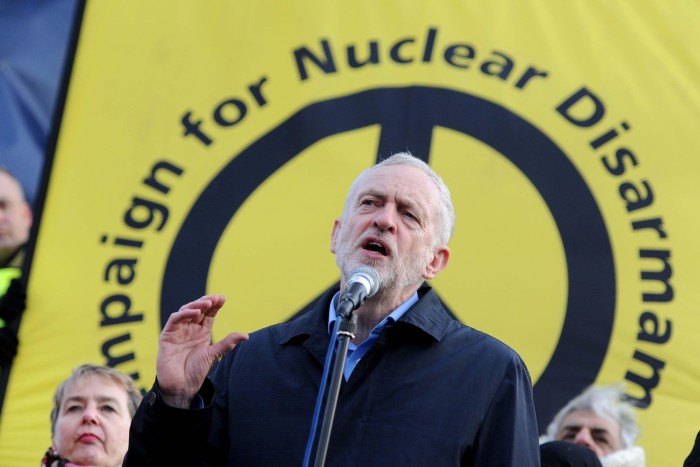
90 418
15 225
602 420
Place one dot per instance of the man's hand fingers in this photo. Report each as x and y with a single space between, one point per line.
197 311
227 344
207 304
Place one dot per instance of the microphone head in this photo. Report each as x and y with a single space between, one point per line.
367 277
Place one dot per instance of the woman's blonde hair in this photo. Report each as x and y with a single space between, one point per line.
134 396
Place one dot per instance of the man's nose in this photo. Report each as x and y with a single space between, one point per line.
584 438
385 218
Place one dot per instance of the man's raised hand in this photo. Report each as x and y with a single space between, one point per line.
185 352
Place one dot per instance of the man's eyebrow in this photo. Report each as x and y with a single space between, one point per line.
370 192
571 426
596 429
404 203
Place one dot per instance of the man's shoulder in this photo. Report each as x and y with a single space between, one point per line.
432 310
473 337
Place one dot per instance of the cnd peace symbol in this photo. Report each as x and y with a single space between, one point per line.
407 117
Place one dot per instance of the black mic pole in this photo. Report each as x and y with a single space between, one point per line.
362 283
346 332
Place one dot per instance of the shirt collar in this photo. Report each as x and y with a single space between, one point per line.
390 319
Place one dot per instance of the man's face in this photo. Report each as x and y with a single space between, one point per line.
599 434
15 216
389 224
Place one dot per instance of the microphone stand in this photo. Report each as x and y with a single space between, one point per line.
346 332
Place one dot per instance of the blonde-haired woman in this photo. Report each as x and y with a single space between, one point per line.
90 419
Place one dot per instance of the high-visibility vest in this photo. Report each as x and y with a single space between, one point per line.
6 275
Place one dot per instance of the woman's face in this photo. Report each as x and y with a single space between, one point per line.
93 421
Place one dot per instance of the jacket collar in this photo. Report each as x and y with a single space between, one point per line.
427 315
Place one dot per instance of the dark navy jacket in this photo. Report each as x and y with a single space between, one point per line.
430 392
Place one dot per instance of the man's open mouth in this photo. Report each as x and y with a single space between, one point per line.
377 247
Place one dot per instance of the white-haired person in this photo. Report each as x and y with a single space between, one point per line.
420 388
603 420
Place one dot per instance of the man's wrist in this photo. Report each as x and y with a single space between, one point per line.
201 399
177 401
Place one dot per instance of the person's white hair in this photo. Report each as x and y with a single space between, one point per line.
446 213
605 401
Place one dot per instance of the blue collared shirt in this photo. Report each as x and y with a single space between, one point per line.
356 352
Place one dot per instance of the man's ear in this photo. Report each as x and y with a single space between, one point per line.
334 234
437 263
29 217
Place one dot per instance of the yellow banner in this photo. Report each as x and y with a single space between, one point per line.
208 147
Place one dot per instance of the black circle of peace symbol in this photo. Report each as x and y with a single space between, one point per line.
407 116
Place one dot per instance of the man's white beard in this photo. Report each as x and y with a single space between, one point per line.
394 274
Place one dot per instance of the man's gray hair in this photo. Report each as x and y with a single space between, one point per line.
605 401
446 212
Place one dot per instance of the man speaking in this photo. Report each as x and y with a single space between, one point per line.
420 389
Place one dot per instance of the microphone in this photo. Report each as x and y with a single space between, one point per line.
362 283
